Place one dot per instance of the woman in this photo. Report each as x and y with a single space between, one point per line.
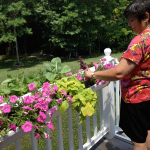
134 73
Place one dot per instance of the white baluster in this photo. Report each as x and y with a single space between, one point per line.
33 141
18 144
117 103
95 123
60 133
48 141
80 133
101 109
88 130
70 130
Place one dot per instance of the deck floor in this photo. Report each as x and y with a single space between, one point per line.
114 144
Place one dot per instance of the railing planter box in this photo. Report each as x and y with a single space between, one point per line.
13 136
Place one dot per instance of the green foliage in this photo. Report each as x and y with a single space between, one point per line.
55 70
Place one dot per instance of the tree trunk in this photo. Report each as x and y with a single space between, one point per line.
87 35
16 47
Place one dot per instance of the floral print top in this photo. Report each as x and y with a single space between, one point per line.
135 87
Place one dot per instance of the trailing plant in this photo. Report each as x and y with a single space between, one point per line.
84 99
54 70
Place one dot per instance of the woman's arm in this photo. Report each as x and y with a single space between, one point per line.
120 71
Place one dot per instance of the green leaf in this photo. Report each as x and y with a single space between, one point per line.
63 107
48 66
65 69
6 81
56 63
50 76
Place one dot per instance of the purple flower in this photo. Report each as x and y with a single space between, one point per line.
32 87
1 99
27 126
50 125
13 127
37 135
6 108
59 100
13 98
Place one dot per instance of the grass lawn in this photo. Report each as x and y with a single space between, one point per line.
31 66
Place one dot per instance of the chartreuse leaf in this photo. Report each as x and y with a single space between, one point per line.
88 110
6 81
62 108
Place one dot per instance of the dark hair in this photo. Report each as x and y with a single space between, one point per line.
137 9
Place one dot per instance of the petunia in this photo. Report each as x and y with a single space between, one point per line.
6 108
46 84
0 122
55 87
13 98
37 105
1 99
70 98
42 117
32 87
37 135
13 127
69 73
28 100
85 79
103 82
59 100
27 127
50 125
63 92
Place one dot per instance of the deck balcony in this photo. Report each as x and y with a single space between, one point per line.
102 133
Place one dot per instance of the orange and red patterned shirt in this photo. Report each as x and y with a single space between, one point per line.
135 87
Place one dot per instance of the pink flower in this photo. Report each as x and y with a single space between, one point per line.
27 126
45 88
0 122
51 111
27 100
86 79
34 127
6 108
48 99
103 82
13 127
69 73
37 95
113 66
37 105
27 107
96 66
50 125
70 98
32 87
45 92
95 62
37 135
63 92
32 98
97 81
1 99
108 65
46 84
41 99
80 70
59 100
79 77
103 59
13 98
55 87
42 117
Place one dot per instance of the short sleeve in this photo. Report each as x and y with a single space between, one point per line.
134 51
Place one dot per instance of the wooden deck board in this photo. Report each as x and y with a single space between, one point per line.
113 144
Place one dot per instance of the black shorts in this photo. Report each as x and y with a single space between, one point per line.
135 120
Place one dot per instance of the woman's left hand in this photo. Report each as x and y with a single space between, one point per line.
88 74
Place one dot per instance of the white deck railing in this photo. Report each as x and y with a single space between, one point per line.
108 97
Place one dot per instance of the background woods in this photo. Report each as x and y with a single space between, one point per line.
52 26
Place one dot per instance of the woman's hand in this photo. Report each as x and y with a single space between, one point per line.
88 74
